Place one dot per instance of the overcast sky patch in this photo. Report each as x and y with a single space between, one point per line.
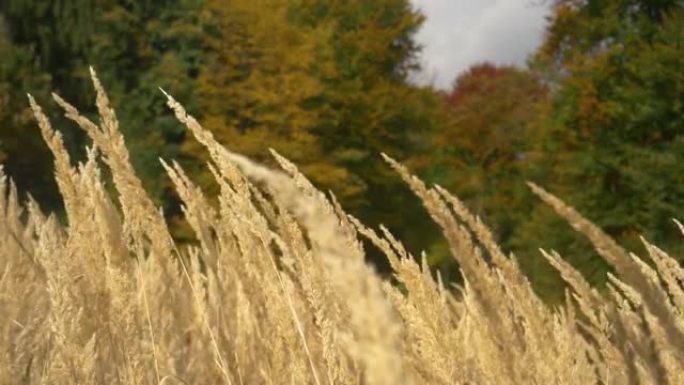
459 33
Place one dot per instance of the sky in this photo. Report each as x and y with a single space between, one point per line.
459 33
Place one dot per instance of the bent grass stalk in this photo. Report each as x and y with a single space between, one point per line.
109 297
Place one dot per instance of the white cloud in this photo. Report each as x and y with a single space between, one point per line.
459 33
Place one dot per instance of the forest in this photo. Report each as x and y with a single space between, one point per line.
596 116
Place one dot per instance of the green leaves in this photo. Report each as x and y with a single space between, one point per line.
616 125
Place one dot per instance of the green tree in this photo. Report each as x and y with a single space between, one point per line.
136 47
141 46
613 142
19 74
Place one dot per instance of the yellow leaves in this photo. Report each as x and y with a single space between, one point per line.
330 175
254 91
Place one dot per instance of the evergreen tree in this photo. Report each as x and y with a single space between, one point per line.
22 152
141 46
136 46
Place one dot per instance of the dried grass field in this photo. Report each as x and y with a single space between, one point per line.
276 289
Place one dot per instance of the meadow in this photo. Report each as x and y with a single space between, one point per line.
276 289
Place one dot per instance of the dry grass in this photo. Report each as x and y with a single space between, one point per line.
276 290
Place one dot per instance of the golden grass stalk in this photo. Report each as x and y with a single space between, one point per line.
276 290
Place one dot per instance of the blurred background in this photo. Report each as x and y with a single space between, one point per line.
584 97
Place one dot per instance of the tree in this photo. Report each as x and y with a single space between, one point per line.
140 47
18 75
325 84
486 149
494 109
368 106
135 46
614 138
256 83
